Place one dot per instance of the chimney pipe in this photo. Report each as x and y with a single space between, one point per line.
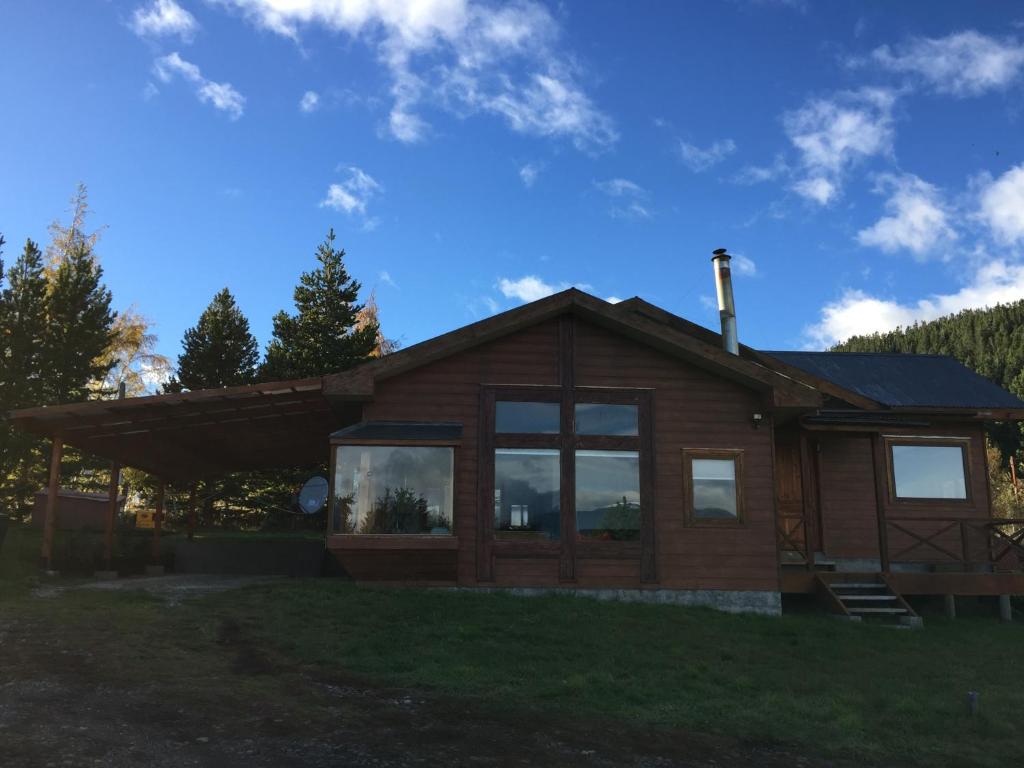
726 306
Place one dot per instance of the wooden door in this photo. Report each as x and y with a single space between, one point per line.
791 521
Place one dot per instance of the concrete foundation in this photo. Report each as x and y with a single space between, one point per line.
731 601
950 606
1005 608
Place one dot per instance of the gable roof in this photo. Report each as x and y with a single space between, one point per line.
785 391
904 381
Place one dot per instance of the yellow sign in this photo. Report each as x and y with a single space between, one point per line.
144 519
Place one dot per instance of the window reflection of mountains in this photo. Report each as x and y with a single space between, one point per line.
714 512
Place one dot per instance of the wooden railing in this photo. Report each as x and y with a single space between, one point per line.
966 542
793 538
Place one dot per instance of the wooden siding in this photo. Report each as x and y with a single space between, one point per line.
692 409
849 515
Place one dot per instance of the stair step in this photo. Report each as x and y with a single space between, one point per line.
844 598
857 585
886 611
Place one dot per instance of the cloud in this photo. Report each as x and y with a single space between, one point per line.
310 102
163 18
918 219
1002 206
385 277
856 312
758 174
961 64
699 160
353 194
221 95
743 266
834 134
613 299
623 189
465 56
531 288
528 174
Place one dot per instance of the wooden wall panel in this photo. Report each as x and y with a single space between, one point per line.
849 510
692 409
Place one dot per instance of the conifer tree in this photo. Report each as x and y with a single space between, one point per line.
219 351
78 329
325 335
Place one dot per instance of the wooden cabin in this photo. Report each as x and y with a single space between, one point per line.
615 450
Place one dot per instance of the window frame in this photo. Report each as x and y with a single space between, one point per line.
689 514
341 536
569 547
926 441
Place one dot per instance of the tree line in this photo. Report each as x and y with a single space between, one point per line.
62 342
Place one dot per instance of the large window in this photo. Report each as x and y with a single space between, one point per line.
608 495
526 493
929 471
392 489
713 486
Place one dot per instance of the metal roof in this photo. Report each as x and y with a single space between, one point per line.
904 380
401 431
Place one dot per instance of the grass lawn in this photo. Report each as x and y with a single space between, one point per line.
826 688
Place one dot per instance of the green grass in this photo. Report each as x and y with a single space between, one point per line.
820 686
833 688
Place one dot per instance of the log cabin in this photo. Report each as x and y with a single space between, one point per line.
614 450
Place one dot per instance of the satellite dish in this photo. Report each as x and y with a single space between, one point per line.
313 495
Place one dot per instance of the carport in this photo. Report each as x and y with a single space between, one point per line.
189 436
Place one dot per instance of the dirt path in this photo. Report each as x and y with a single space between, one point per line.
92 697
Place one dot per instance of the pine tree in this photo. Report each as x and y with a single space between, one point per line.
324 336
219 351
78 329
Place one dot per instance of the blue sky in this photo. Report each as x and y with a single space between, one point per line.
864 161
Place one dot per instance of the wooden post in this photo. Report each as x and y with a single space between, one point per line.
158 521
52 491
192 512
115 482
881 486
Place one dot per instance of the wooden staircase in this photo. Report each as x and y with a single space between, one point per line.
860 596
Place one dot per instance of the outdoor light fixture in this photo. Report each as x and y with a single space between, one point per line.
757 419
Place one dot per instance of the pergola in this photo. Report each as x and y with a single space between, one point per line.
190 436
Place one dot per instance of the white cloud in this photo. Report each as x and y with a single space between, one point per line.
620 187
310 101
163 18
836 133
757 174
630 194
528 174
962 64
353 194
743 266
698 160
532 288
221 95
1002 206
613 299
918 219
856 312
466 56
385 277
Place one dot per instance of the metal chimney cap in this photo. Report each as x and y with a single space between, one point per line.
720 253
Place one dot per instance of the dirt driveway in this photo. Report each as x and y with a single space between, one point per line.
195 691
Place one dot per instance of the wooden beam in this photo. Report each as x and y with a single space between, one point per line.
192 511
567 380
881 489
108 523
52 491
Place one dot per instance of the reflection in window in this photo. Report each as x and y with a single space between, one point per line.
605 419
929 472
393 489
714 489
524 417
526 493
608 495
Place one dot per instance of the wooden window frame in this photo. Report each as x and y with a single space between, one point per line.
569 547
724 454
927 441
403 540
